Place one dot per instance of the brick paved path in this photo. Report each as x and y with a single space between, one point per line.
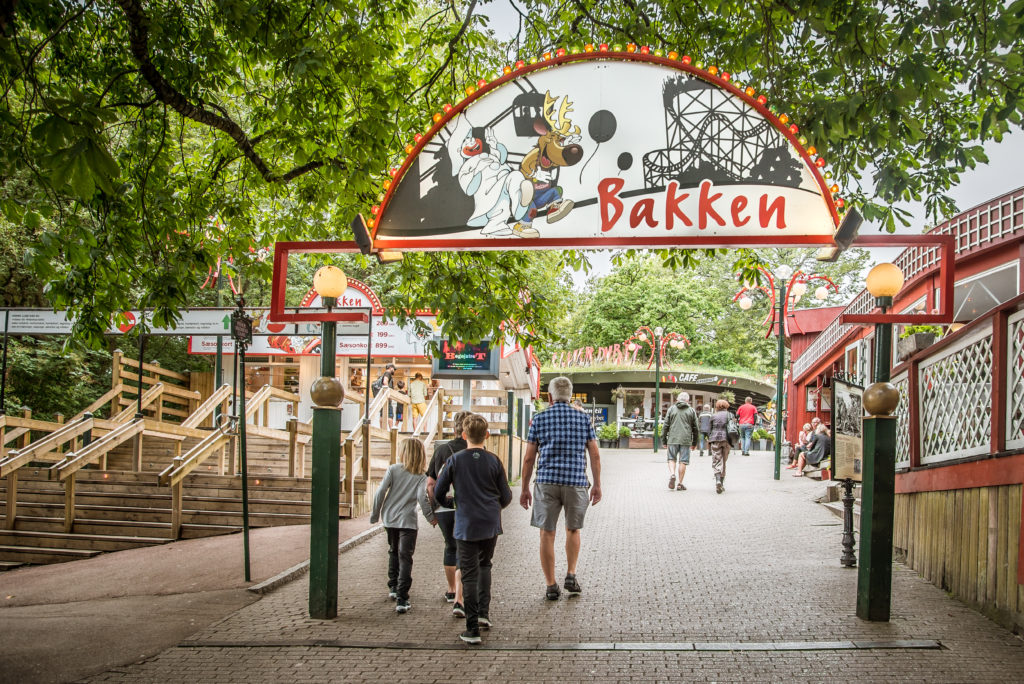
745 586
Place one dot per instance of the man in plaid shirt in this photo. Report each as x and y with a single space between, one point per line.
563 437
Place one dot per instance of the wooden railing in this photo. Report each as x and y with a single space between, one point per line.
148 397
177 402
174 474
960 463
220 397
431 423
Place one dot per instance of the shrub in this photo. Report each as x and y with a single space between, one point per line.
914 329
608 432
624 431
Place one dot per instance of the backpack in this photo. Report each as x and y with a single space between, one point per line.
732 432
705 423
377 385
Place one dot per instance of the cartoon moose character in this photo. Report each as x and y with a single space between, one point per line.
556 147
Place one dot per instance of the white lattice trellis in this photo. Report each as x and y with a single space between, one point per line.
902 414
1015 382
992 222
956 400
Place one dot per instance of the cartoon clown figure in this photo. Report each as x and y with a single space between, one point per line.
499 192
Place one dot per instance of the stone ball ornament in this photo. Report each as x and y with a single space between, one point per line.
881 399
327 392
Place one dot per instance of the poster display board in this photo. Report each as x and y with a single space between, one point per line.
847 431
464 360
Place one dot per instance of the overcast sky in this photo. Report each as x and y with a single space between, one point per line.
1001 175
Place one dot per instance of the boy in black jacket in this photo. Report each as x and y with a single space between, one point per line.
482 488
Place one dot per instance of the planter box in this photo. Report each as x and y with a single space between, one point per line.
641 442
763 445
607 443
911 344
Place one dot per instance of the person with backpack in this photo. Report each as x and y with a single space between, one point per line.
704 423
385 379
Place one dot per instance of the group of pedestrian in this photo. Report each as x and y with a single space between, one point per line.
685 428
463 491
417 393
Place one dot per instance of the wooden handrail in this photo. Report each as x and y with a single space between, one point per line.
430 417
100 403
154 369
75 461
205 410
256 401
376 404
193 458
41 447
148 397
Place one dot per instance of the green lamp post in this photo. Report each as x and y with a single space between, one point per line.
327 393
878 488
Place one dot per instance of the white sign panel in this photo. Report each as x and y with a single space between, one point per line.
389 339
604 151
193 322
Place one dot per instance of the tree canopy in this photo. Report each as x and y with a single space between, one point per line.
698 304
144 139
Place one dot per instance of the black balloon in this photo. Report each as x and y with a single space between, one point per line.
602 126
625 161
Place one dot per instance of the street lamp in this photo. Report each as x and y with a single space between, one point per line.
656 339
874 576
241 332
327 394
791 288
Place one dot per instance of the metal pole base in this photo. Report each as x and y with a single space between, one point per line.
848 559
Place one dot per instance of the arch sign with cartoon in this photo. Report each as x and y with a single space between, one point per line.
607 149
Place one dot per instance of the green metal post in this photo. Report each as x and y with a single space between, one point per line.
874 576
657 391
218 366
324 498
878 494
781 359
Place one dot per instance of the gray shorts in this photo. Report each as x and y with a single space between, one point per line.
680 451
550 499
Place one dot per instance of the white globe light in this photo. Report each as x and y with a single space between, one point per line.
783 271
330 281
821 294
745 302
658 331
799 289
642 337
631 346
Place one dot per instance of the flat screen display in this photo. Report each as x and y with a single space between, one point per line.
464 360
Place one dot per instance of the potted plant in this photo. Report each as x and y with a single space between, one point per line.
625 434
914 338
763 440
608 435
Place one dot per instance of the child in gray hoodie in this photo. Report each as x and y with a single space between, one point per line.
403 486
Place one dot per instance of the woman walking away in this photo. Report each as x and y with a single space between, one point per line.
718 441
401 489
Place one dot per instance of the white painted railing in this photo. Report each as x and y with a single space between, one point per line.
984 225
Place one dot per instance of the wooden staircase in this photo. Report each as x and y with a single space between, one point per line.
118 510
92 485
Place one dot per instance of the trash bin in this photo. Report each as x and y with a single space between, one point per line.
785 451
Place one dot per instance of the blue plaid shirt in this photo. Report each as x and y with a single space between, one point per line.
561 434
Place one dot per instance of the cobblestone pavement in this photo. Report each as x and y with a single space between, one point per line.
677 586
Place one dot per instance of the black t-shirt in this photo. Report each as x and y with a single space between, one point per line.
442 453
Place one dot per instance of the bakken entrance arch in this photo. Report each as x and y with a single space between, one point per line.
606 149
